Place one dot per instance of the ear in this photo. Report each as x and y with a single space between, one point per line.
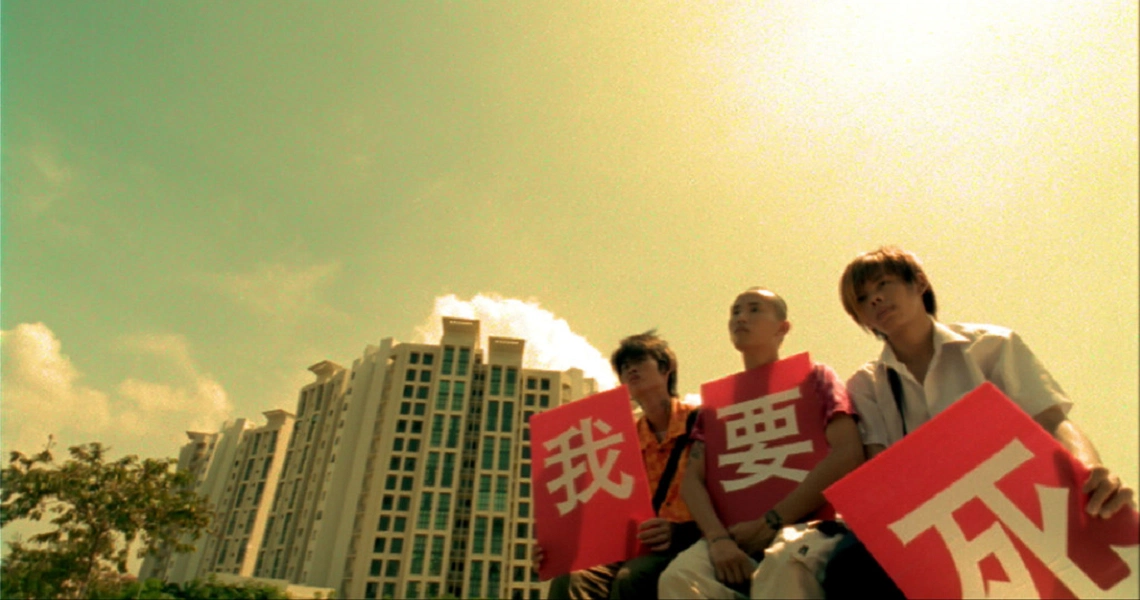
920 283
785 327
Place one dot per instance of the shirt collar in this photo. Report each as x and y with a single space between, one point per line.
676 424
942 335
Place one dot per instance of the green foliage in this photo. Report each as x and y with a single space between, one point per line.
100 509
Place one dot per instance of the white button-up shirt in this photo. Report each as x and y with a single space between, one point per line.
965 356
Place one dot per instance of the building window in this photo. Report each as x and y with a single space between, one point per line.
529 399
414 358
435 567
441 511
545 385
508 417
410 375
457 395
453 432
496 380
436 431
392 569
497 536
405 408
432 465
387 502
406 484
505 454
385 523
448 469
448 357
409 391
414 445
423 520
531 383
494 570
425 376
526 451
512 377
544 401
397 545
524 490
441 394
428 358
524 470
390 590
483 501
370 590
377 548
520 551
524 509
394 463
420 407
475 583
417 426
413 590
479 540
397 444
488 452
400 524
401 426
491 419
501 485
419 548
403 503
464 361
521 530
410 464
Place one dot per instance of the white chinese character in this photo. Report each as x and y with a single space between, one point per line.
1049 542
750 426
599 470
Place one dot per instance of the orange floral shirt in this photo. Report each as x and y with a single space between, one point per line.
655 455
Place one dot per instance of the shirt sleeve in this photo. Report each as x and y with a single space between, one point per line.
861 390
831 392
698 432
1023 378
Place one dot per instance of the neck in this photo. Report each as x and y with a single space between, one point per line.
657 408
753 359
914 343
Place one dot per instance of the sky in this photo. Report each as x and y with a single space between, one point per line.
199 199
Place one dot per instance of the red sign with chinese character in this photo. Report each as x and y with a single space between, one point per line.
983 502
590 487
764 431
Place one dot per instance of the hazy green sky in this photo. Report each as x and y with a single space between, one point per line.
201 199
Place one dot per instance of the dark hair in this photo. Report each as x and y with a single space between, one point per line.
883 260
636 347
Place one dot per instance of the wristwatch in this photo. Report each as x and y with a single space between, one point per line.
774 520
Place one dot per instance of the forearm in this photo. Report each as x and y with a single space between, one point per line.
845 455
1069 436
696 495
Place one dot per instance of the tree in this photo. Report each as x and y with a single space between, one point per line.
101 509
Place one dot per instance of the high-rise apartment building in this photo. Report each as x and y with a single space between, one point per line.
406 476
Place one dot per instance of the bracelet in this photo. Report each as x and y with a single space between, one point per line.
719 538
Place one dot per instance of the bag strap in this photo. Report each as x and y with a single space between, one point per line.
897 392
674 459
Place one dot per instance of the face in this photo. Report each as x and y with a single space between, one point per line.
643 376
887 303
754 325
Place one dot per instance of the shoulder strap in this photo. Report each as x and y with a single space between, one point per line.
896 391
674 458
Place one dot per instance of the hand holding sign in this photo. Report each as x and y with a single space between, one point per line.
982 502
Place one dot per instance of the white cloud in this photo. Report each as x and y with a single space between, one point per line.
43 394
279 290
550 343
42 391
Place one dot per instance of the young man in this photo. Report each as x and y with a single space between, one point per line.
648 368
887 292
724 563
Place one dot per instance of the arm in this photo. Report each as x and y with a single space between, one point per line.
732 565
1106 492
846 454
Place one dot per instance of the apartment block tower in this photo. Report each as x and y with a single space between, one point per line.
406 476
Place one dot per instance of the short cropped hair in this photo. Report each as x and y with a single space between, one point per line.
884 260
774 300
636 347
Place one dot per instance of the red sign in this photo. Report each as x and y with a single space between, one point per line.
764 431
983 502
590 487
